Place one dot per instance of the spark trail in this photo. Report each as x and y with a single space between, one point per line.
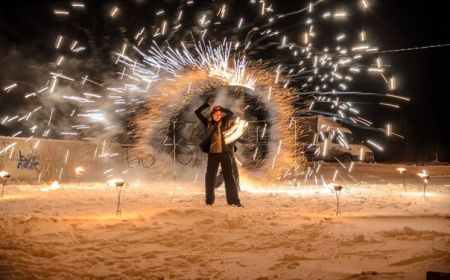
131 68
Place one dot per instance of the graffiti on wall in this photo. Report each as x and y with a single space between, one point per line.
134 161
28 163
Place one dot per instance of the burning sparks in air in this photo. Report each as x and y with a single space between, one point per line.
235 131
171 62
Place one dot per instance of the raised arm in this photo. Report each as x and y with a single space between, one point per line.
199 111
199 114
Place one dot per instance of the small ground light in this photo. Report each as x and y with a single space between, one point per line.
403 172
425 179
79 171
118 183
337 190
4 176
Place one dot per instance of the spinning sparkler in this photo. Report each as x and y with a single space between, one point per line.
184 52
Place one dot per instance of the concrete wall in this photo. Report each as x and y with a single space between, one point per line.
37 161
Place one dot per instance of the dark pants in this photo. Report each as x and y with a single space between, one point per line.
219 177
212 167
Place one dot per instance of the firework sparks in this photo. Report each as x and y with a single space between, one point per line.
235 131
184 54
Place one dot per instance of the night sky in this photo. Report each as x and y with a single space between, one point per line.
416 44
412 39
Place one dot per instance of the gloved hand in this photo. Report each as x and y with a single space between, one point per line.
210 100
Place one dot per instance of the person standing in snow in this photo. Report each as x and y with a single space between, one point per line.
218 152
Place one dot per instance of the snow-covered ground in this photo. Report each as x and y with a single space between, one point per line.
389 227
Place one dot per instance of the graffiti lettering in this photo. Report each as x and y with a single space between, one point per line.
134 161
29 164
